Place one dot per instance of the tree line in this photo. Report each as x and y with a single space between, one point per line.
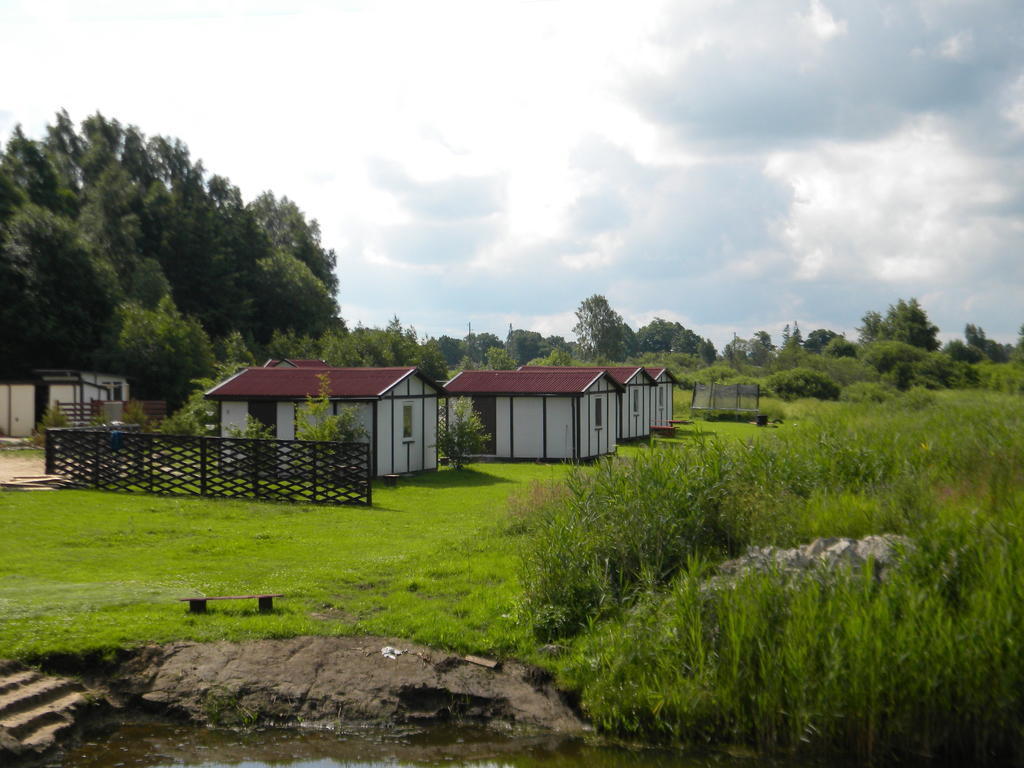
118 251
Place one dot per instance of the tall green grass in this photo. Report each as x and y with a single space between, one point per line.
927 663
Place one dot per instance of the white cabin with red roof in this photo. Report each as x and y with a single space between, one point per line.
547 415
396 406
661 395
634 401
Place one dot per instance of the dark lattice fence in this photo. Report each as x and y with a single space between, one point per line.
277 470
726 397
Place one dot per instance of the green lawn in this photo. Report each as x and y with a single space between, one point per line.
433 560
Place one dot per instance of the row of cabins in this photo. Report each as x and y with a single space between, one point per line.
23 401
533 413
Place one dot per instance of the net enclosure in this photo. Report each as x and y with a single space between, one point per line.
726 397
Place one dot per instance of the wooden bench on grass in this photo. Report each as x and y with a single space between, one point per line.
198 604
675 422
663 430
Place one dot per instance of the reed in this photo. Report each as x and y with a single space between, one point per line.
924 664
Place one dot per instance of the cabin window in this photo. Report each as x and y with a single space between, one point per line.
407 421
661 396
597 413
636 401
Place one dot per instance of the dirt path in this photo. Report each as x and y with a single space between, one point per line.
19 465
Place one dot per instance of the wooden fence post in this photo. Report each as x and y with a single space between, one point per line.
49 438
202 465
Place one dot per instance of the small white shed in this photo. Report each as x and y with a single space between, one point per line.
661 395
396 406
543 414
22 402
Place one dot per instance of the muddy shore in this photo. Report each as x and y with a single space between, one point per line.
318 682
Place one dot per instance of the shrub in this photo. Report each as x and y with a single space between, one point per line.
803 382
314 421
52 417
134 413
867 392
254 430
463 435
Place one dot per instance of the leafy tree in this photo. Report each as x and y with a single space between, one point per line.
598 329
905 321
558 358
499 360
54 298
840 346
162 350
818 339
760 348
1018 351
452 349
895 360
989 348
289 232
871 328
965 353
287 344
706 352
736 351
658 335
524 346
477 344
432 362
314 420
463 435
232 349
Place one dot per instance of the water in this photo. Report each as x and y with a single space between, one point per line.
182 746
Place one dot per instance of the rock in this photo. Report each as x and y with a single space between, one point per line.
829 554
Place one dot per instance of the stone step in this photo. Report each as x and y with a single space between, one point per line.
24 725
34 694
45 737
15 680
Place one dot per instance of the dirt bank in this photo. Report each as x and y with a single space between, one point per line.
319 682
327 681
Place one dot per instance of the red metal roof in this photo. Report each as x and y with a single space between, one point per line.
546 381
656 372
622 374
296 362
297 383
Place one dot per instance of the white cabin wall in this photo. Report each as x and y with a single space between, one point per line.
528 427
233 413
384 437
502 443
63 393
17 409
429 432
285 420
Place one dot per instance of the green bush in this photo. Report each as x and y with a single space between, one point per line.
803 382
867 392
53 417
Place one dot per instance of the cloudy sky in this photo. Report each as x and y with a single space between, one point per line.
730 165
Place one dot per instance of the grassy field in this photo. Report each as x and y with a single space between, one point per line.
433 560
610 561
